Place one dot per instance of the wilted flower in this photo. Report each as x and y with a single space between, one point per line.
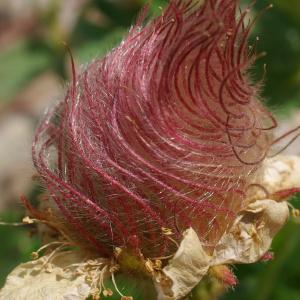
164 142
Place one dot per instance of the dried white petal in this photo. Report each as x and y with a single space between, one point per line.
39 281
185 269
252 233
281 172
248 240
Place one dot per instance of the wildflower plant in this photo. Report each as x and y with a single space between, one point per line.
160 163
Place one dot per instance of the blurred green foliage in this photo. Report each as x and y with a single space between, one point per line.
20 63
129 286
16 243
279 32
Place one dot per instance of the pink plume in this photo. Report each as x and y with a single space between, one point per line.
167 130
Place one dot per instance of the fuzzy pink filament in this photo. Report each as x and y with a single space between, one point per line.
166 130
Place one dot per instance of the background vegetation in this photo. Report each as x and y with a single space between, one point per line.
34 70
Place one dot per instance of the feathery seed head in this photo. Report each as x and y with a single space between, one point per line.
164 133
